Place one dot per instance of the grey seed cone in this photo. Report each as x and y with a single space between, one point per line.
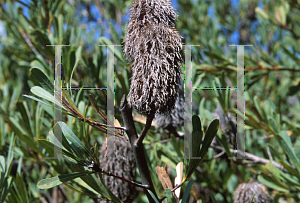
227 124
245 191
174 118
120 161
153 47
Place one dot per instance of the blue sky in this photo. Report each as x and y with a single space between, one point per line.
234 38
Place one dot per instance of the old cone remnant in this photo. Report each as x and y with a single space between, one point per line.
120 161
153 46
245 191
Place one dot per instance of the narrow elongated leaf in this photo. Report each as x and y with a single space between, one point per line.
38 91
57 180
286 144
209 136
40 77
187 191
50 149
23 109
78 145
22 133
212 197
153 196
22 188
270 182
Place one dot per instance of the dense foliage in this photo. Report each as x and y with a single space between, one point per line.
272 84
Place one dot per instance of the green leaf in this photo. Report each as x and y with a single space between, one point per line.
45 103
197 152
270 182
212 197
187 191
257 106
274 124
40 77
23 109
38 91
22 188
280 176
50 148
286 144
196 123
114 34
97 184
209 136
252 198
290 169
176 146
153 196
118 54
57 180
224 143
262 13
169 196
215 55
78 145
21 133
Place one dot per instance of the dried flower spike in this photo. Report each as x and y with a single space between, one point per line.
120 161
245 191
175 118
153 46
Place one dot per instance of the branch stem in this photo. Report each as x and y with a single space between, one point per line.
138 150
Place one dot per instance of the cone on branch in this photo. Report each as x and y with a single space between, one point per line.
120 161
245 191
153 47
175 118
227 125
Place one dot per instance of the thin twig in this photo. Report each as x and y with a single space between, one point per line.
178 186
254 158
100 170
27 40
145 129
268 148
215 157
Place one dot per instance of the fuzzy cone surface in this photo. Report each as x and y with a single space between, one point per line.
120 161
153 47
174 118
245 191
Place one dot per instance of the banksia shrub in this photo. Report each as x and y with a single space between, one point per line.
175 118
120 161
245 191
153 47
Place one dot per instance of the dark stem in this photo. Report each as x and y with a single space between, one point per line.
145 129
138 150
177 186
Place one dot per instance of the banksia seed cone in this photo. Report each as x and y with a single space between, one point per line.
120 161
153 46
245 191
175 118
227 125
